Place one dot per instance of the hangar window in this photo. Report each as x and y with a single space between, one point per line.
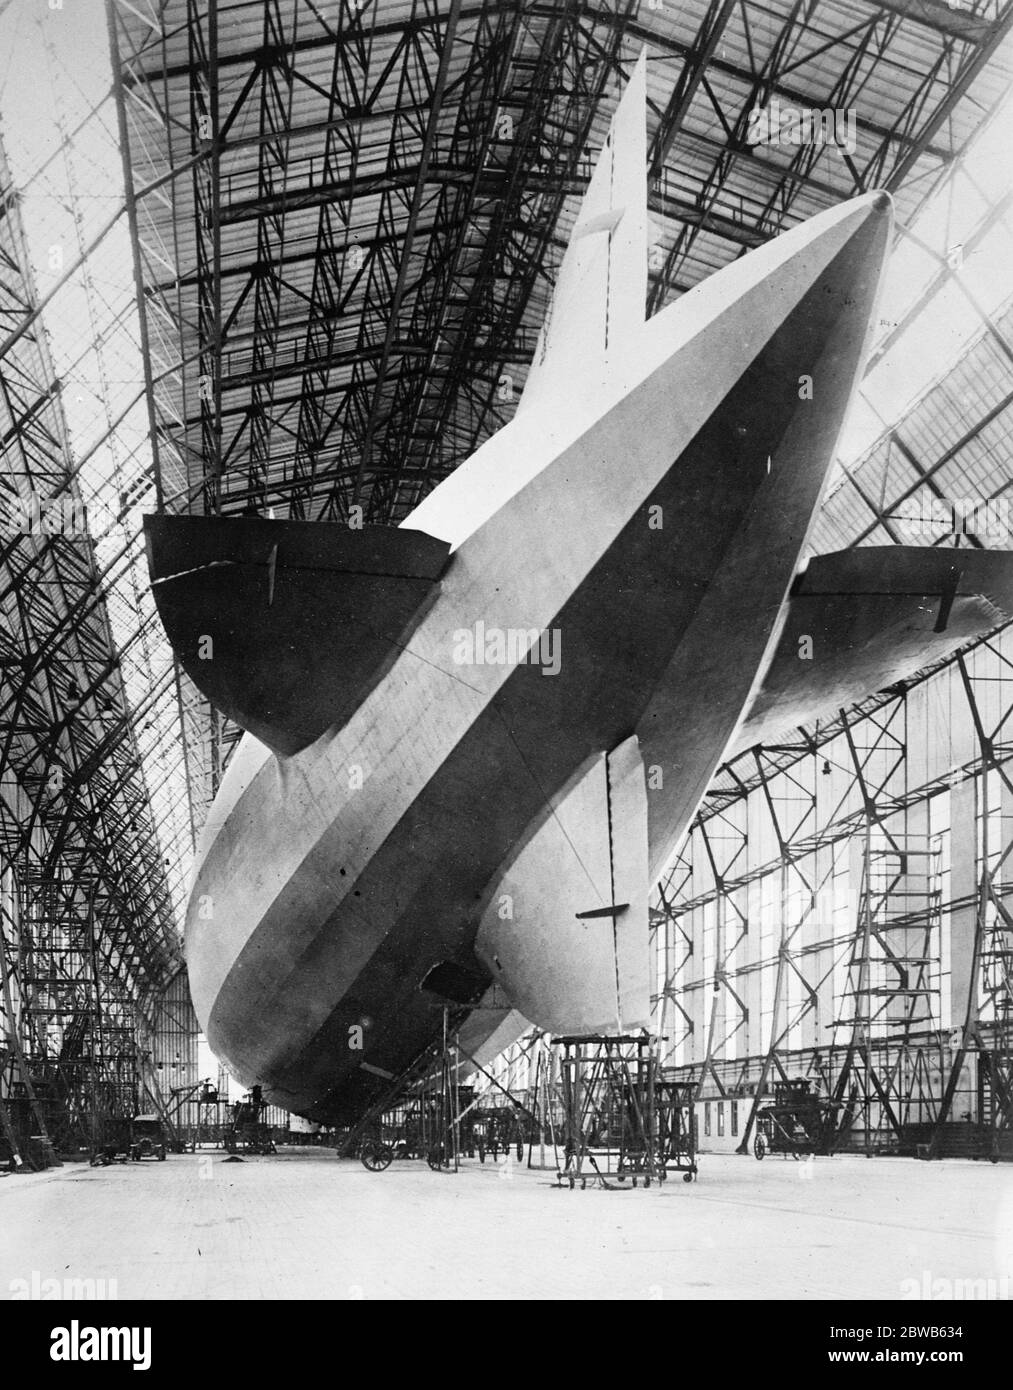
707 1118
721 1119
735 1118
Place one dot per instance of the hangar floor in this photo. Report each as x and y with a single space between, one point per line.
306 1225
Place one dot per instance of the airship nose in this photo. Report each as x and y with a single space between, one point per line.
876 207
846 247
879 201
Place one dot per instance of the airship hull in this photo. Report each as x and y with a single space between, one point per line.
340 888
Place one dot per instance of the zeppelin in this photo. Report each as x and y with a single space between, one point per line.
408 824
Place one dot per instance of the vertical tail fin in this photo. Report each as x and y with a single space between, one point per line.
630 880
571 950
600 295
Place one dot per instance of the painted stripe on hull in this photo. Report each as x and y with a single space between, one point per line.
353 925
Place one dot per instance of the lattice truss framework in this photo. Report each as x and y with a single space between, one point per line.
361 204
87 928
841 910
347 215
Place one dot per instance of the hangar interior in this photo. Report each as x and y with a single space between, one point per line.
290 259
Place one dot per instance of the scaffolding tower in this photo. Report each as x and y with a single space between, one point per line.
80 1029
840 916
88 939
891 995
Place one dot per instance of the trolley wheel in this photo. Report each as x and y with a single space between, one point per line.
520 1150
583 1184
571 1180
687 1177
647 1182
436 1160
794 1154
760 1145
376 1156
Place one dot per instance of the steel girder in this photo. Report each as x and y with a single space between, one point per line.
397 119
895 150
874 1067
78 844
551 139
344 222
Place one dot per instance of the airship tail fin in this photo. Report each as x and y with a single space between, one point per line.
599 301
628 857
571 950
863 619
285 626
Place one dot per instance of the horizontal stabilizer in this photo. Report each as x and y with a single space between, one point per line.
860 620
285 626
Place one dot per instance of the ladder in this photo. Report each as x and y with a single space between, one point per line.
891 983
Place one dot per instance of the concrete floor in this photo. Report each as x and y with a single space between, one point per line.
307 1225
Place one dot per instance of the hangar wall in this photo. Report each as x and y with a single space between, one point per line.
840 912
